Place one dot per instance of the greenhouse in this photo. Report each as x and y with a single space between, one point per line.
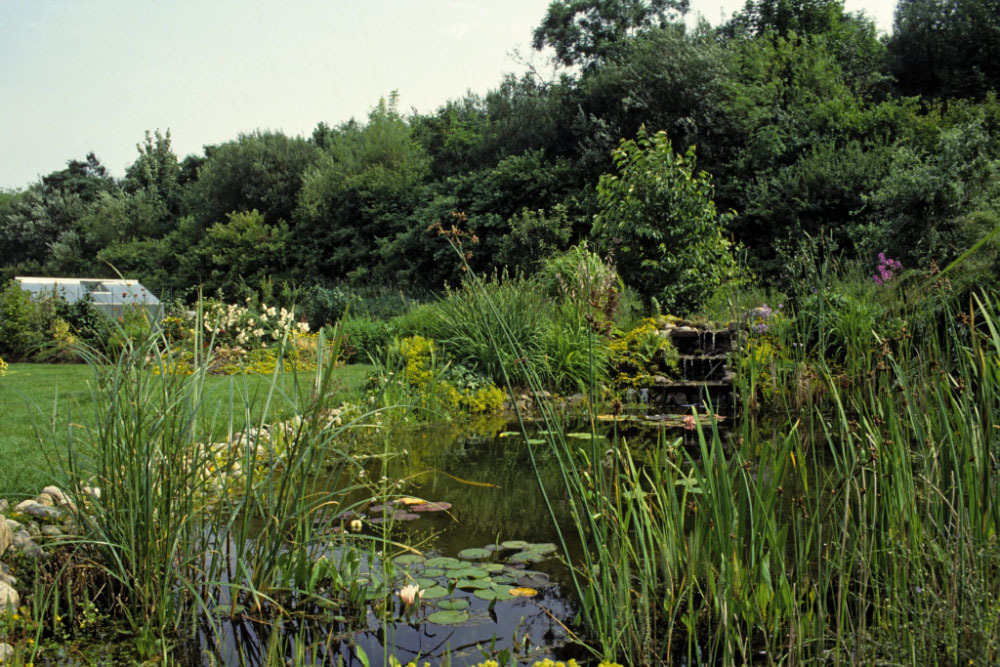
110 296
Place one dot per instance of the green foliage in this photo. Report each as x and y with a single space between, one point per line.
639 355
364 338
584 32
946 48
19 338
659 217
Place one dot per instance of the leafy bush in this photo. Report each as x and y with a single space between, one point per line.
19 337
658 215
639 355
364 338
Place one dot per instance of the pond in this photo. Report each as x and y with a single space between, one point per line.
486 555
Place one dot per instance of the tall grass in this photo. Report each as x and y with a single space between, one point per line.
186 530
860 526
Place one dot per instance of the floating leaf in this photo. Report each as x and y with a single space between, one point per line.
475 553
445 561
504 579
440 506
409 500
494 593
426 583
535 441
408 559
435 592
490 567
473 583
523 592
433 572
453 605
468 573
514 544
542 548
585 436
509 434
533 580
448 617
527 557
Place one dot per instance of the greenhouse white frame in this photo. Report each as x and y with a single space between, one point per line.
110 296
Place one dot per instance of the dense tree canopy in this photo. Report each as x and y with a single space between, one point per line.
809 124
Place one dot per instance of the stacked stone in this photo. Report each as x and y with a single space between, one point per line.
49 515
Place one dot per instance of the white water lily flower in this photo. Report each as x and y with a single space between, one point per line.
410 594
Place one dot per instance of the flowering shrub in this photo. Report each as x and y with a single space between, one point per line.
413 368
243 339
3 367
641 354
886 267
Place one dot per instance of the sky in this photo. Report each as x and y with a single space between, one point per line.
80 76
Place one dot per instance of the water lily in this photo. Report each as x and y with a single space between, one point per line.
410 594
689 422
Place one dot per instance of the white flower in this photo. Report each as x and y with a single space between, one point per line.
410 594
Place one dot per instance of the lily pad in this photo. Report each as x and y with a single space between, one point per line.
426 583
408 559
448 617
475 553
440 506
411 501
585 436
533 580
489 567
509 434
514 544
527 557
494 593
445 562
434 592
478 584
433 572
523 592
453 605
468 573
535 441
542 548
504 579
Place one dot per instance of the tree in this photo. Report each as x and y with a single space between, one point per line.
658 216
946 48
261 171
586 32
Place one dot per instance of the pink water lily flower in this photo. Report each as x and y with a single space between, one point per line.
410 594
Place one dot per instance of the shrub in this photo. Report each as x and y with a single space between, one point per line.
364 338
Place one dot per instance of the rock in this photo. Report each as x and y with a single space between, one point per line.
52 531
3 505
6 652
6 576
45 499
24 504
6 537
25 545
43 512
13 525
57 495
9 599
33 529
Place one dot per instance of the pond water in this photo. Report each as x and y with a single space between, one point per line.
496 535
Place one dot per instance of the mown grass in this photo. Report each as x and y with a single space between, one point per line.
35 396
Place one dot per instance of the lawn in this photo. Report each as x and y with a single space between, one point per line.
36 397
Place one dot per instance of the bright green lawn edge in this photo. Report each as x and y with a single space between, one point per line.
35 396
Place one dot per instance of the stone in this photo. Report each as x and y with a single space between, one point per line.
6 652
57 495
6 576
52 531
13 525
6 537
3 505
24 504
33 529
25 545
45 499
44 512
9 598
